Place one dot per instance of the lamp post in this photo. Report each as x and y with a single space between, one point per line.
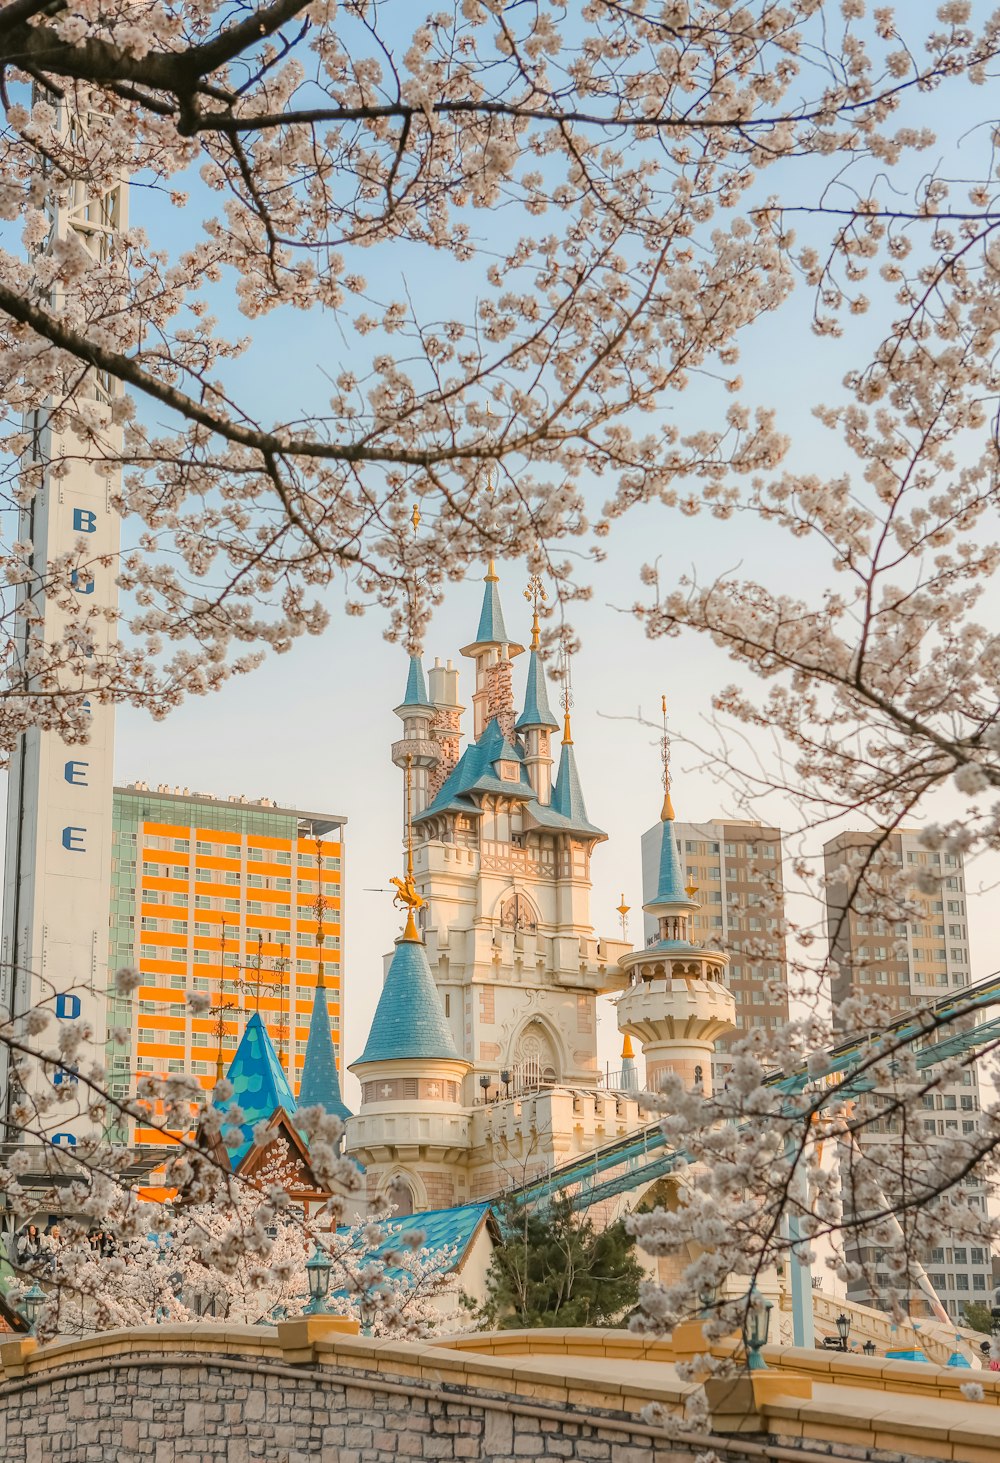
756 1324
843 1329
485 1082
31 1305
707 1294
869 1348
505 1079
318 1269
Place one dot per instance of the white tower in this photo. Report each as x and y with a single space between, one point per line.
677 1004
59 809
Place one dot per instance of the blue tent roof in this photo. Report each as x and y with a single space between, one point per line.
670 883
260 1086
475 774
416 687
444 1229
320 1085
409 1019
537 711
567 795
491 629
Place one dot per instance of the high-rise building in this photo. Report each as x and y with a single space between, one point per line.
219 896
737 870
908 962
58 835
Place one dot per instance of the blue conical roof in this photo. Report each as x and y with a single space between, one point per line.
491 626
259 1083
670 882
492 630
409 1020
567 795
416 687
320 1085
537 711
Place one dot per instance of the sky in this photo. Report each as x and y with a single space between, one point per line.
313 728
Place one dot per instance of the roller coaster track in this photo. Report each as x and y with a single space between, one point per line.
644 1156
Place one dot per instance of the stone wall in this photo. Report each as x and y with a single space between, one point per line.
301 1391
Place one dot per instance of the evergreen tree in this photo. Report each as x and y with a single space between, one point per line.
977 1315
553 1268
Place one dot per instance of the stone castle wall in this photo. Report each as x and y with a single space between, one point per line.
209 1394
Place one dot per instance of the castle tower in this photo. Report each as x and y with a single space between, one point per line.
417 749
536 722
677 1004
411 1125
320 1084
492 650
446 728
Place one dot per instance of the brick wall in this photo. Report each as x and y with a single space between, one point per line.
155 1413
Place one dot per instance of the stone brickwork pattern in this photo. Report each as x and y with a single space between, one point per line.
214 1414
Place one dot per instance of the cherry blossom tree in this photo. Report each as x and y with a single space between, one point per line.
590 185
219 1245
613 197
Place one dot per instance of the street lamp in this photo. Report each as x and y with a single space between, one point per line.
756 1324
707 1293
869 1348
31 1305
318 1269
843 1329
484 1082
505 1079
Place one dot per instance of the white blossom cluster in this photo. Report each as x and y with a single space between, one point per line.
623 151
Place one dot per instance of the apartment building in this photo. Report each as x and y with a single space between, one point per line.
219 895
909 963
737 867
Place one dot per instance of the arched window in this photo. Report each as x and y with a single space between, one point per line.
400 1196
518 913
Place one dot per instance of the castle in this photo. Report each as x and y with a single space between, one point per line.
480 1070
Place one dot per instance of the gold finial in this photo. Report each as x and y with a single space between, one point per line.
535 595
691 890
567 699
667 811
491 576
415 517
623 910
406 896
627 1048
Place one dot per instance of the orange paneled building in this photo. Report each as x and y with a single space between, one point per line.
228 897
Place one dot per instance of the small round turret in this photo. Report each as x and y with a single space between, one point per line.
678 1004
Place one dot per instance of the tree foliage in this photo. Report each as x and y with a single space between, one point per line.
555 1268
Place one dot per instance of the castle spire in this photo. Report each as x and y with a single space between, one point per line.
320 1084
667 811
492 650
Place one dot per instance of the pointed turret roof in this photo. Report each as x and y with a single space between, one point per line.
492 630
259 1083
416 687
409 1020
567 795
320 1085
629 1073
670 890
537 711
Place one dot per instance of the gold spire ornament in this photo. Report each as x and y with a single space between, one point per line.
567 700
623 910
667 811
415 517
406 896
535 595
627 1051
